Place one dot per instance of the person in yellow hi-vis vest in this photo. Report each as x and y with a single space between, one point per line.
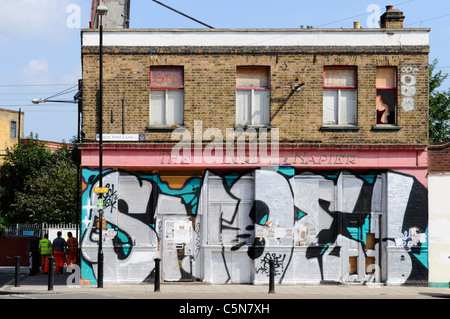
45 247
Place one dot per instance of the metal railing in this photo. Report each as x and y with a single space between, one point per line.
33 230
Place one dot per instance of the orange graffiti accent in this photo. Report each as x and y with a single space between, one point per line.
175 182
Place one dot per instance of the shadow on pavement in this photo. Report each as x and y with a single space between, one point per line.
436 295
42 279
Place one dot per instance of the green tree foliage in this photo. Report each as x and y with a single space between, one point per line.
439 119
37 185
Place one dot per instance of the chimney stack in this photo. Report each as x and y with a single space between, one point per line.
392 18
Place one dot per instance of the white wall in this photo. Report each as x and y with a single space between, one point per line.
439 229
255 37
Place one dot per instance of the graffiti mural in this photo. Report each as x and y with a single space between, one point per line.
224 227
278 262
131 228
408 87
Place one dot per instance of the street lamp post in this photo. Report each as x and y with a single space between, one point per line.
78 98
101 11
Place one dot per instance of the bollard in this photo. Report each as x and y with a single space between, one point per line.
157 274
51 278
17 273
100 269
272 276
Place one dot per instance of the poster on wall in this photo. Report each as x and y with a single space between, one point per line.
182 231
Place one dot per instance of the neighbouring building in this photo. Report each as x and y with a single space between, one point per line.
11 130
118 14
226 148
439 213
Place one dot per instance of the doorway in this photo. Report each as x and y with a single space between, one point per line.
361 248
177 248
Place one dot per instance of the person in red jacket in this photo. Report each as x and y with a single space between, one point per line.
72 250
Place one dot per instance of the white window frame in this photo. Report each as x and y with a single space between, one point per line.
168 114
13 129
340 116
253 112
390 88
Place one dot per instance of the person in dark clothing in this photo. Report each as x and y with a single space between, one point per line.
59 245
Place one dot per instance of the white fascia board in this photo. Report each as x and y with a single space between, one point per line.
139 38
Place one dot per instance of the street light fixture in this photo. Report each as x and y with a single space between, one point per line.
101 11
38 101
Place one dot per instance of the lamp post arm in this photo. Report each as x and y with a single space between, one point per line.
38 101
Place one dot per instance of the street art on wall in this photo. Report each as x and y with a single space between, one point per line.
408 87
224 227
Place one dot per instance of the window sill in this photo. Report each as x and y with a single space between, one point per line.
339 128
386 127
268 127
163 128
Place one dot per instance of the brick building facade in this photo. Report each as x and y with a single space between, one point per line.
335 191
11 130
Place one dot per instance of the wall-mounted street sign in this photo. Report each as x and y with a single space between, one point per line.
122 137
101 190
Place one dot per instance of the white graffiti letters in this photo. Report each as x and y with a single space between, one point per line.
408 88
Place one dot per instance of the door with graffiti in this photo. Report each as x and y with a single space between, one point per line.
361 255
360 227
177 248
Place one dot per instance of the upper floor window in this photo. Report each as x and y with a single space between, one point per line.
252 96
386 100
339 96
166 95
13 129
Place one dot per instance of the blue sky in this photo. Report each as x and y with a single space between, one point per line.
40 41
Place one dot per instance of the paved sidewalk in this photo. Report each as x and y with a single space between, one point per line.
38 284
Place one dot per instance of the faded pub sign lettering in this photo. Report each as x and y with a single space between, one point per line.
166 78
324 159
297 158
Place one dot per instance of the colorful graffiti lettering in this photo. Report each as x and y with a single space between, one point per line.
223 227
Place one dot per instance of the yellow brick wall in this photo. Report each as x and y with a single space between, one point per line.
210 95
6 116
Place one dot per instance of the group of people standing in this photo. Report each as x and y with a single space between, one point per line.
62 250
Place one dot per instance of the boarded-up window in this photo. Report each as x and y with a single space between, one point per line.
228 218
370 241
252 96
336 77
386 100
249 77
370 269
135 204
339 96
353 265
166 96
